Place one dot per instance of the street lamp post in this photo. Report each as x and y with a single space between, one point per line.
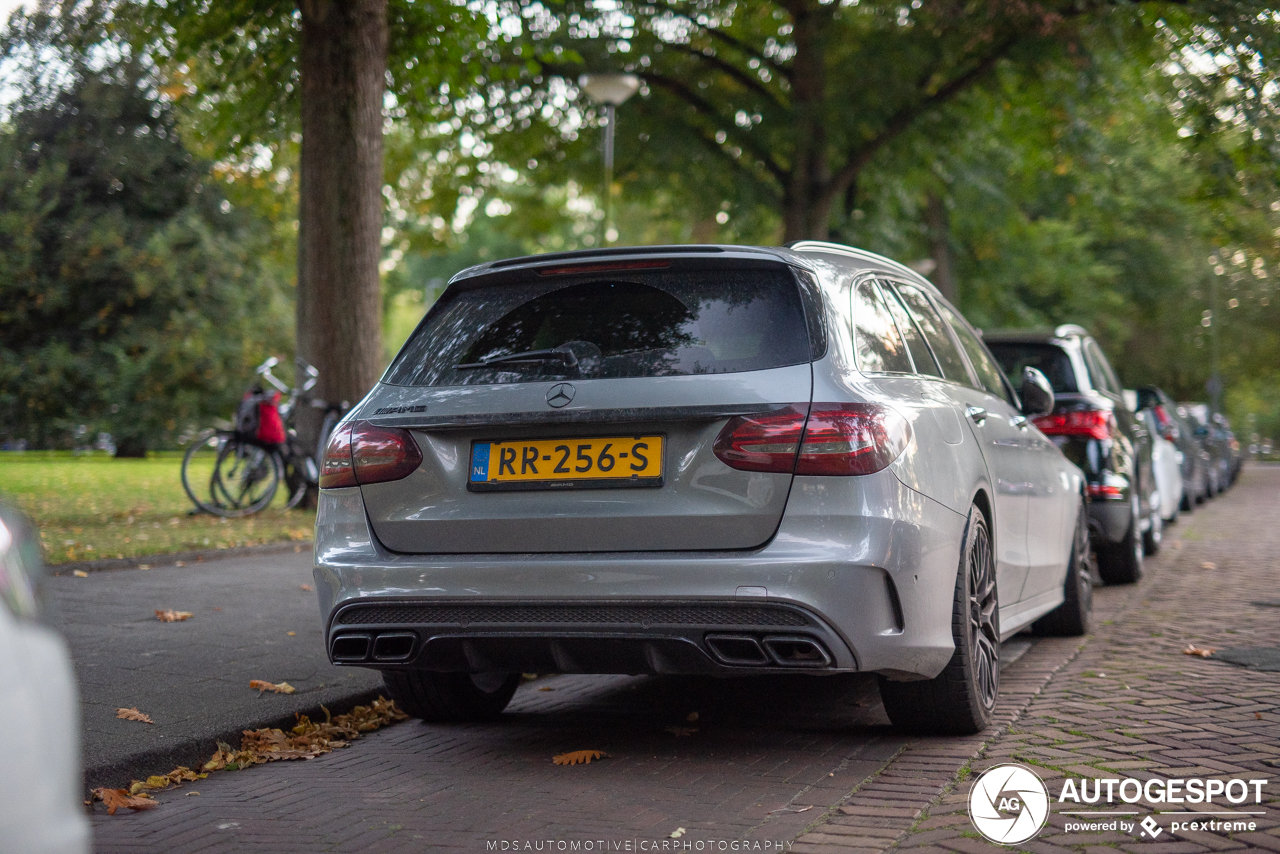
612 90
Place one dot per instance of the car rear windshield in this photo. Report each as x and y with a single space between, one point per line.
650 324
1050 360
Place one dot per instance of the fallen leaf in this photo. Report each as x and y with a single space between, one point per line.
217 609
305 587
1208 564
1192 649
276 687
179 775
691 717
171 616
133 715
291 634
182 563
144 566
114 799
682 730
546 688
1257 716
80 573
677 833
189 794
578 757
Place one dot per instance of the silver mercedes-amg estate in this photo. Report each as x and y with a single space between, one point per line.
718 460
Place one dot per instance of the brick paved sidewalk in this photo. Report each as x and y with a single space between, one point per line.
1129 704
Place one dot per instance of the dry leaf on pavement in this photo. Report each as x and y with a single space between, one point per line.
305 587
80 573
677 833
171 616
181 774
133 715
577 757
1192 649
692 716
1208 564
682 730
114 799
276 687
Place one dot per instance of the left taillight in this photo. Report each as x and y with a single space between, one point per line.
359 453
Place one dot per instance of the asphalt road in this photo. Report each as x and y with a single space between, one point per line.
252 620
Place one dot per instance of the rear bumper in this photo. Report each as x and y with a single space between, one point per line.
859 577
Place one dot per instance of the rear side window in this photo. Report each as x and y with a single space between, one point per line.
1103 377
983 366
653 324
880 347
935 332
1048 359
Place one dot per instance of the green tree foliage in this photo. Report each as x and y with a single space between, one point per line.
131 297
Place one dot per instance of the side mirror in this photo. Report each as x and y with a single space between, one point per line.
1036 393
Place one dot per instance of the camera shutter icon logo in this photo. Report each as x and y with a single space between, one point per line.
1009 804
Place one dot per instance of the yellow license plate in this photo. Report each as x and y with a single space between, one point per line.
566 463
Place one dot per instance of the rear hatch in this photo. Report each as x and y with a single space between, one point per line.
574 407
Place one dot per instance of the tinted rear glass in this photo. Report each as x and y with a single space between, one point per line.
1051 361
653 324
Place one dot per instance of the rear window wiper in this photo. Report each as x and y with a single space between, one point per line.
565 357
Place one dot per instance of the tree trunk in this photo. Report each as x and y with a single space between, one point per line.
808 195
339 305
938 224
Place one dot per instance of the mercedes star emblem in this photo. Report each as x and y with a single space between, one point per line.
561 394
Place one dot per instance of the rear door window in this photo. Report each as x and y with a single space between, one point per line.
650 324
983 365
880 348
935 332
920 353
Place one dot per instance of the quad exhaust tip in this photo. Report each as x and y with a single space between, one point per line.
777 650
362 646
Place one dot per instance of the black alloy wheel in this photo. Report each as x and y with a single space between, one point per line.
1071 618
984 628
960 699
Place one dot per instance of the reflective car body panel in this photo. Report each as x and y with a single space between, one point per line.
645 580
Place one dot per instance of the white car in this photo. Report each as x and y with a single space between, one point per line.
40 775
1166 465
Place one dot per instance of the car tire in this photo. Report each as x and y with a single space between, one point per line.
1121 563
443 697
1187 504
1154 535
960 699
1071 618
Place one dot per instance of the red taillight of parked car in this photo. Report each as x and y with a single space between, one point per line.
766 442
360 454
838 439
1103 490
1095 423
851 439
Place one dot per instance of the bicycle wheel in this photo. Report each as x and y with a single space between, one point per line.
243 480
299 473
198 465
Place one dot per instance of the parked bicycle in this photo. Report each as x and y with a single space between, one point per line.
238 472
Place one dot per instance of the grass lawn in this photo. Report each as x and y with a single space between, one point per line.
93 506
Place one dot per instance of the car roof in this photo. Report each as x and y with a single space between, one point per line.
798 253
1057 335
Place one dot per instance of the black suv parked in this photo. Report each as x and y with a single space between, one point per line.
1099 433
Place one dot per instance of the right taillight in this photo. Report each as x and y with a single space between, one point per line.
766 442
359 453
1095 423
822 439
851 439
